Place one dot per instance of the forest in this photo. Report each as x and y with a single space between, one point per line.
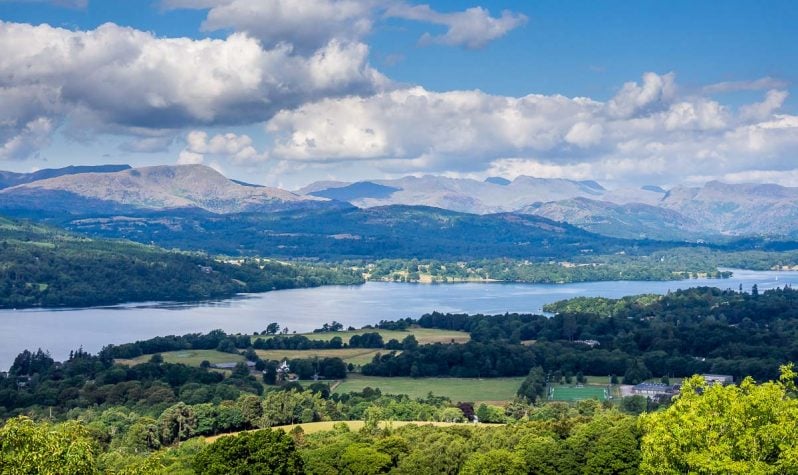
750 428
698 330
45 267
95 414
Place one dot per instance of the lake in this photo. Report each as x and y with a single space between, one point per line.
62 330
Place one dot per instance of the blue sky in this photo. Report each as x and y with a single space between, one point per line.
399 89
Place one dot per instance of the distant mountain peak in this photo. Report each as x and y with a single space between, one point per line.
150 188
653 188
592 184
8 179
356 191
497 180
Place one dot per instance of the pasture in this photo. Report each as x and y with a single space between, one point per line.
423 335
187 357
357 356
457 389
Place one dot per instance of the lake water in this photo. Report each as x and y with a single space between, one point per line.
60 331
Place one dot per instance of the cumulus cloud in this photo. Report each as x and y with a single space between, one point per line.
773 101
472 28
305 24
309 24
31 137
655 92
121 80
237 148
647 131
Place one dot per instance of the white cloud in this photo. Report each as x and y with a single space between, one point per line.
309 24
472 28
762 110
584 134
655 93
121 80
32 136
306 24
754 85
647 132
237 148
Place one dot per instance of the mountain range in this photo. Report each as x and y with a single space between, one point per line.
713 211
706 212
109 191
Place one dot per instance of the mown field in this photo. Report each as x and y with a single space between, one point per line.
457 389
356 356
187 357
577 393
423 335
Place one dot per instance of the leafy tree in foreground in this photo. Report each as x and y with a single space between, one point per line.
261 452
725 429
28 447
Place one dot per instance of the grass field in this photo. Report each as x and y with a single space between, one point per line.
313 427
188 357
457 389
358 356
423 335
574 393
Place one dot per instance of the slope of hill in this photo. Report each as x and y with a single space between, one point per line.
8 179
148 188
373 233
631 220
707 212
45 267
741 209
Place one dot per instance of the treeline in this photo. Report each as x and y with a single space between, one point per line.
233 343
693 331
748 428
657 266
43 267
35 381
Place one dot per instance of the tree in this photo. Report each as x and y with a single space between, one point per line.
42 448
637 373
534 386
497 461
178 422
634 404
272 328
250 453
361 459
540 453
725 429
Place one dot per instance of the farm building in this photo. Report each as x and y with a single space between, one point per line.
723 379
655 390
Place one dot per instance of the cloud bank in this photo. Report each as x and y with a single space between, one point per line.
647 131
121 80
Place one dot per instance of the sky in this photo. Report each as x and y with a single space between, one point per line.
287 92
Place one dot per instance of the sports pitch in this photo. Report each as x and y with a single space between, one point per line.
577 393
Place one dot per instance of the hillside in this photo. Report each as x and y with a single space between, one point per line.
147 189
707 212
630 220
373 233
44 267
8 179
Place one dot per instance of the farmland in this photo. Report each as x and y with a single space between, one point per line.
457 389
423 335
